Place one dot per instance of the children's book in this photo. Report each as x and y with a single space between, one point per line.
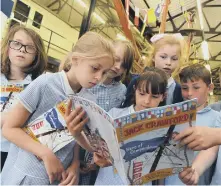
8 95
140 145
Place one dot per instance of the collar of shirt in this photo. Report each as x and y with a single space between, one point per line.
206 109
26 80
83 92
113 83
67 88
170 81
131 109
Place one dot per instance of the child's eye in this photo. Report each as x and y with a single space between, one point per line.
163 57
141 93
174 59
184 88
155 96
196 88
94 68
16 43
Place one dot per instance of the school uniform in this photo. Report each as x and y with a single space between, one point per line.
174 94
216 179
6 105
109 96
22 167
106 175
205 117
216 106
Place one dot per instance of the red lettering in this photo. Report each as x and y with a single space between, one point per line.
139 169
138 164
131 131
37 125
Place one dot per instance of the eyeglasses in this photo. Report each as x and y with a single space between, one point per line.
17 46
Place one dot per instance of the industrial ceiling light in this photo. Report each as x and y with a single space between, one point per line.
205 50
121 37
98 18
82 3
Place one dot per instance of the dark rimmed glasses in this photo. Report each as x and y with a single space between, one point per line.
17 46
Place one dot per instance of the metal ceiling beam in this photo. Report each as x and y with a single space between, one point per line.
216 60
86 21
172 22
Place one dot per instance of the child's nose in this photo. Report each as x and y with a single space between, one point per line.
168 62
22 49
190 92
117 66
99 76
147 99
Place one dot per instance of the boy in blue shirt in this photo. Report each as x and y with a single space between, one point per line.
196 83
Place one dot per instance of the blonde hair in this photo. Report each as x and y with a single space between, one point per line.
167 40
92 46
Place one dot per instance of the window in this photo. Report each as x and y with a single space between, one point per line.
21 11
37 20
53 64
13 22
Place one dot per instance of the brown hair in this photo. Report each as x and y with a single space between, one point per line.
152 76
90 45
39 64
128 57
195 72
167 40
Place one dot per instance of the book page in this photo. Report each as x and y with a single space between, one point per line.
146 141
100 132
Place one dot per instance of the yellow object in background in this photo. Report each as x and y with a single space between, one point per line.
151 17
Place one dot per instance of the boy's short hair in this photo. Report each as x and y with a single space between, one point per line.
195 72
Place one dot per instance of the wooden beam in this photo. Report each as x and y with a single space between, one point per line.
124 22
164 17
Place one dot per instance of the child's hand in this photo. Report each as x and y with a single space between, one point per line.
198 138
189 176
75 120
72 175
101 161
53 166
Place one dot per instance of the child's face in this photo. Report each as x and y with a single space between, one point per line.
196 89
22 57
90 72
167 58
117 69
146 100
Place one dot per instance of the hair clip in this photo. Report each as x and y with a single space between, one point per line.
157 37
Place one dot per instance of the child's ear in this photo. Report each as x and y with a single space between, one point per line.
74 60
211 87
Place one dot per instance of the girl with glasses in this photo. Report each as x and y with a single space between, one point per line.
23 59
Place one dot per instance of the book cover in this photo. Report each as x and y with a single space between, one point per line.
8 95
140 145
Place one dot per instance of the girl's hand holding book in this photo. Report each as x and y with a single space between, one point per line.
189 176
53 166
75 120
